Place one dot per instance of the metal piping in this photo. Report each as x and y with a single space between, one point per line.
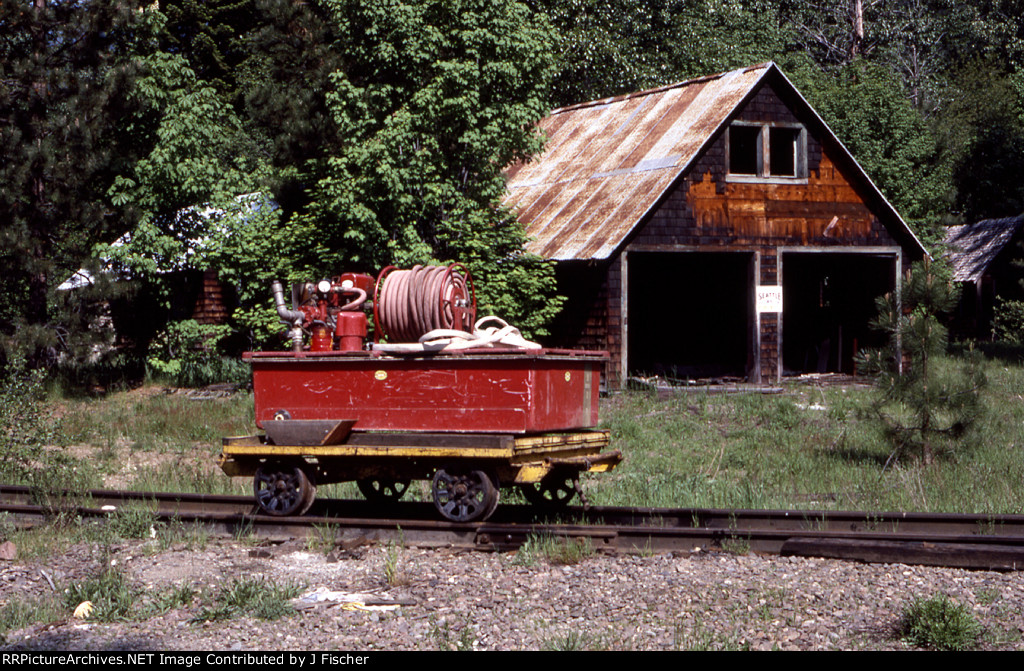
292 318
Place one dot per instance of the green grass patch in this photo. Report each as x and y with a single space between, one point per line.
18 613
553 549
112 596
811 447
149 419
253 597
939 623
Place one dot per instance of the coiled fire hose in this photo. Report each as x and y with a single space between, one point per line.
410 303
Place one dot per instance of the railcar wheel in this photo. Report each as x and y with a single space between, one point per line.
382 490
553 491
283 489
464 495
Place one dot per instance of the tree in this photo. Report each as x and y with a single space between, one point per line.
434 100
866 108
66 132
620 46
982 131
198 191
921 406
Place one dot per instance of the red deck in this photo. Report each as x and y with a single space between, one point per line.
482 391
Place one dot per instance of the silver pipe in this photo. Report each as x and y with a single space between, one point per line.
292 318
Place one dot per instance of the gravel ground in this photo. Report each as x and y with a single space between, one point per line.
440 599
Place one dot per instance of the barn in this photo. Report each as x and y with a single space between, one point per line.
714 228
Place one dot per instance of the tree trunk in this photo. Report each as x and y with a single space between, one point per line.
857 18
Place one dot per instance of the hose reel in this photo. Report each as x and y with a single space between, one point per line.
410 303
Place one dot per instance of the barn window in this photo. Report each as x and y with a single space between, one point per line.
758 152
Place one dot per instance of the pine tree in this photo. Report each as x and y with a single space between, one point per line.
67 128
922 407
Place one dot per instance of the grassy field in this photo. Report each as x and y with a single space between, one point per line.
811 446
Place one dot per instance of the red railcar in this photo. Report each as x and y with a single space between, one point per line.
470 421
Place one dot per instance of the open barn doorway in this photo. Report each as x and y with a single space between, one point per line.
828 302
690 314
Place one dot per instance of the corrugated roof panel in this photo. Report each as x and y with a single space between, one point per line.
644 194
572 140
608 162
973 247
631 138
559 206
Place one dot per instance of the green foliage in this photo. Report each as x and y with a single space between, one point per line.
718 35
17 613
608 48
445 639
26 428
255 597
940 623
557 550
112 595
574 640
186 352
438 98
29 436
917 403
67 129
982 131
1008 324
133 522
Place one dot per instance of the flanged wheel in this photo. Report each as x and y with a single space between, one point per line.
283 489
555 490
382 490
464 495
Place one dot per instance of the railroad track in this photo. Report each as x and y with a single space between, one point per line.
993 542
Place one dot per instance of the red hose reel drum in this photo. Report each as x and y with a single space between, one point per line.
410 303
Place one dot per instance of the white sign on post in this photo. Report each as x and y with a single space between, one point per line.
769 299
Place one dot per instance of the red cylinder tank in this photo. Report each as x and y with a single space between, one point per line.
351 331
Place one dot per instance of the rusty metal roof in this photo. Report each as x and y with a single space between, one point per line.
607 162
973 247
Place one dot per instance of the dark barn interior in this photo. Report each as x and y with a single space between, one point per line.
689 314
828 304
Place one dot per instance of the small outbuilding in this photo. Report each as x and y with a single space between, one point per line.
711 228
983 256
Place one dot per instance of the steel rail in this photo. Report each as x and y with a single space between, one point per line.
943 539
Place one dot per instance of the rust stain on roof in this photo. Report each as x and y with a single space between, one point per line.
608 161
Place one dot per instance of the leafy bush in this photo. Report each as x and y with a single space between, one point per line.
940 623
27 427
24 427
1008 325
186 353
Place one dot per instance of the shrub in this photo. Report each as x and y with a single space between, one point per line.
1008 325
186 353
940 623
